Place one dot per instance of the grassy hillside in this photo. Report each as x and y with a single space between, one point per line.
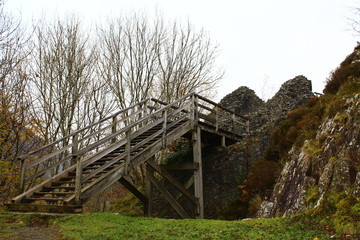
111 226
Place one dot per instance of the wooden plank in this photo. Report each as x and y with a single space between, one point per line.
28 193
22 207
180 166
169 197
125 182
167 206
172 180
198 179
149 193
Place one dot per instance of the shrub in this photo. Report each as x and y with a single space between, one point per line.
348 70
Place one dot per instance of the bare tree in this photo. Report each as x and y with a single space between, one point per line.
63 65
140 59
186 61
17 132
128 58
354 21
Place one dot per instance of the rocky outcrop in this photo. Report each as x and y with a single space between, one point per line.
242 101
224 172
292 94
323 166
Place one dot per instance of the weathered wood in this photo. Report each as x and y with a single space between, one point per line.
198 179
180 166
78 161
169 197
125 182
149 193
167 206
127 151
113 128
151 133
22 174
164 117
172 180
22 207
223 141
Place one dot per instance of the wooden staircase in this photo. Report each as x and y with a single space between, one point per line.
63 175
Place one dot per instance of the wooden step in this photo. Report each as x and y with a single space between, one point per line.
59 187
24 207
47 199
53 193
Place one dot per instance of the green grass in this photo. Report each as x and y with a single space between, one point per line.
111 226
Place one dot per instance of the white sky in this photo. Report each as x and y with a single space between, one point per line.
258 39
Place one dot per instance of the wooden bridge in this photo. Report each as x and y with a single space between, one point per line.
63 175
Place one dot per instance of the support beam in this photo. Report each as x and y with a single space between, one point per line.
223 141
167 206
172 201
181 166
148 192
198 179
172 180
125 182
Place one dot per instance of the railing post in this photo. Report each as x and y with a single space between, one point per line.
248 126
216 118
77 160
22 174
164 116
198 178
145 113
192 111
233 122
128 151
113 128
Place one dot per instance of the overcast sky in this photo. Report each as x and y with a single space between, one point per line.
263 43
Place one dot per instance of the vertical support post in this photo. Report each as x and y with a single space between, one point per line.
145 107
164 116
148 192
196 109
223 141
216 118
233 122
248 126
198 180
22 174
128 151
192 111
77 160
113 128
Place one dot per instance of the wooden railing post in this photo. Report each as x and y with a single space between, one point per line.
216 118
77 160
192 111
233 122
127 151
113 128
145 107
22 174
198 178
196 108
164 116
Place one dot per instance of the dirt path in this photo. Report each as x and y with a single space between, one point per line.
34 226
38 233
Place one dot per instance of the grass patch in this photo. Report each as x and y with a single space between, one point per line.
112 226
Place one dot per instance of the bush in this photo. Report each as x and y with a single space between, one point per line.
348 70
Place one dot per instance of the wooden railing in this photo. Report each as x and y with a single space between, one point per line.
87 145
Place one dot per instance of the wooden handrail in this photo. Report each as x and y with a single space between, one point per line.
186 107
